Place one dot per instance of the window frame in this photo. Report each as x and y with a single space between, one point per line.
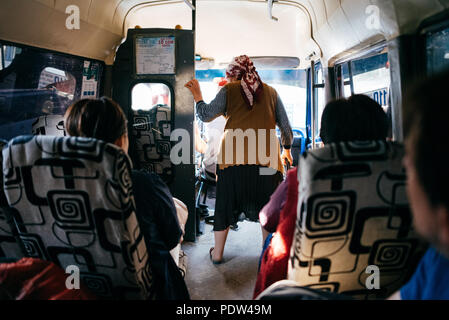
101 79
152 81
2 53
69 63
340 83
129 112
430 26
312 121
317 67
362 54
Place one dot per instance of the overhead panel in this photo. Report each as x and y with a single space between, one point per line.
229 28
160 16
225 27
38 24
102 12
48 3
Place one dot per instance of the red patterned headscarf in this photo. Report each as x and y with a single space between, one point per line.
242 68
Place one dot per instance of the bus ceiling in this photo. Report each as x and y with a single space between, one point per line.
224 28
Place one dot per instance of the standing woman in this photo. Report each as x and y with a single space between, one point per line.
252 109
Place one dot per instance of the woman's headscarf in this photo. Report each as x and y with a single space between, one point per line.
242 68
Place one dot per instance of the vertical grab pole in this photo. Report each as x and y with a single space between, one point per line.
3 57
351 77
313 100
194 16
197 224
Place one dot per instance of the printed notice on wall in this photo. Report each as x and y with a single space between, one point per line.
155 55
90 80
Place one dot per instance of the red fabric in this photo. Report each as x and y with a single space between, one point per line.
222 83
274 262
35 279
242 68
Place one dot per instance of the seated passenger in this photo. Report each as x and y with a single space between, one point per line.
103 119
356 118
427 165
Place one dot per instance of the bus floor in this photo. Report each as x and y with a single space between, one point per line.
235 278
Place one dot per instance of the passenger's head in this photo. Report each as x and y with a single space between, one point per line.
101 119
426 128
239 67
358 118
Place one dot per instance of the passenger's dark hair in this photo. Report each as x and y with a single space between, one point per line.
426 129
355 118
102 119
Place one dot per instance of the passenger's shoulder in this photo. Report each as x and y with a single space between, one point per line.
433 256
267 88
232 85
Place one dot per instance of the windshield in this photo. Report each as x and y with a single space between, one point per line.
291 85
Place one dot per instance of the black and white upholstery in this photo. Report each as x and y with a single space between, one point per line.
152 130
51 125
353 212
72 204
9 247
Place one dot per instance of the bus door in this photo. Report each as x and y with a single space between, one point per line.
149 74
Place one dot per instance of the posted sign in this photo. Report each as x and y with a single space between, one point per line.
155 55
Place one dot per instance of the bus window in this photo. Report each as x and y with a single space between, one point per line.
371 76
290 85
293 91
62 82
319 97
147 95
347 91
437 50
35 83
7 54
152 126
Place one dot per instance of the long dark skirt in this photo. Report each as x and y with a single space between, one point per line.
241 189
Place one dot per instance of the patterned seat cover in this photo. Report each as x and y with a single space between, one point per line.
72 204
352 213
51 125
152 130
9 247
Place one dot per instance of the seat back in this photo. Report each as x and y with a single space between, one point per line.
51 125
296 150
298 146
72 204
151 131
353 213
9 247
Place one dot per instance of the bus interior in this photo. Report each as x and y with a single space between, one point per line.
54 52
